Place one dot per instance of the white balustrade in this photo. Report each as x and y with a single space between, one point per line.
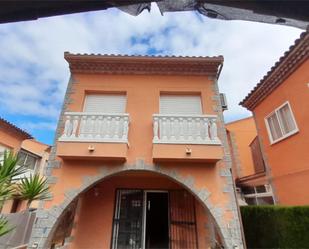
95 127
185 129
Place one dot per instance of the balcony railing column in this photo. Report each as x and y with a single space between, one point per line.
198 128
117 128
75 125
164 129
155 129
181 129
172 130
125 128
67 127
82 132
206 127
108 127
98 126
213 130
190 129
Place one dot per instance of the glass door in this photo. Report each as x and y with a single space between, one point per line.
128 220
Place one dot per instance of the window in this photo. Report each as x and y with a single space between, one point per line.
281 123
2 150
258 195
180 104
105 103
27 160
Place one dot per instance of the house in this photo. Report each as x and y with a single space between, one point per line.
280 107
31 154
141 158
11 137
248 164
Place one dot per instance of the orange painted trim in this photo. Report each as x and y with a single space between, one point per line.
177 152
107 151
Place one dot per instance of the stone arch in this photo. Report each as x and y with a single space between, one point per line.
48 219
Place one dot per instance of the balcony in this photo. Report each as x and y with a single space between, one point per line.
186 138
94 135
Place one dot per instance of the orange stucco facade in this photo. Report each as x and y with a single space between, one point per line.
288 158
241 133
78 168
9 138
93 215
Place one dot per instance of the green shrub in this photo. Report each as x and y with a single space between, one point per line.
276 226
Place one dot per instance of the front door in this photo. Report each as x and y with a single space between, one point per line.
157 232
154 220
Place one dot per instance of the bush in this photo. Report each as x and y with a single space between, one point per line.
276 226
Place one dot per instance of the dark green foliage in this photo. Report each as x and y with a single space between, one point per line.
276 226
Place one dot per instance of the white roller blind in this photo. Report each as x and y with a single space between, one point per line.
106 103
180 104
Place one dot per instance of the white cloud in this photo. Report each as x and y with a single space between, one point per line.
34 75
32 126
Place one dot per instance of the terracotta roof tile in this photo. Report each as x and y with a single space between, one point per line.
287 64
5 123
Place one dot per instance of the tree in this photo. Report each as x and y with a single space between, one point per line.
33 188
13 183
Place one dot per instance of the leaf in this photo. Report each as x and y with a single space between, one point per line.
4 226
9 168
33 188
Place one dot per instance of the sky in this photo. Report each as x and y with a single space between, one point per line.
34 74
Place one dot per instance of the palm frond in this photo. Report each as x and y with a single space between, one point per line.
4 226
9 168
33 188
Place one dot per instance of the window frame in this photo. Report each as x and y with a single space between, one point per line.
256 195
284 136
36 165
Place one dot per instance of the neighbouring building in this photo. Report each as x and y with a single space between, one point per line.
11 137
248 164
280 106
31 153
141 158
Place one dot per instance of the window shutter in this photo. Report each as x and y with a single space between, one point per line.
175 104
258 161
105 103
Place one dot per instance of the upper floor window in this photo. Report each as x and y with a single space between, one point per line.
27 160
281 123
105 103
180 104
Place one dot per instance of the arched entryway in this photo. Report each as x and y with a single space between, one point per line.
143 178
